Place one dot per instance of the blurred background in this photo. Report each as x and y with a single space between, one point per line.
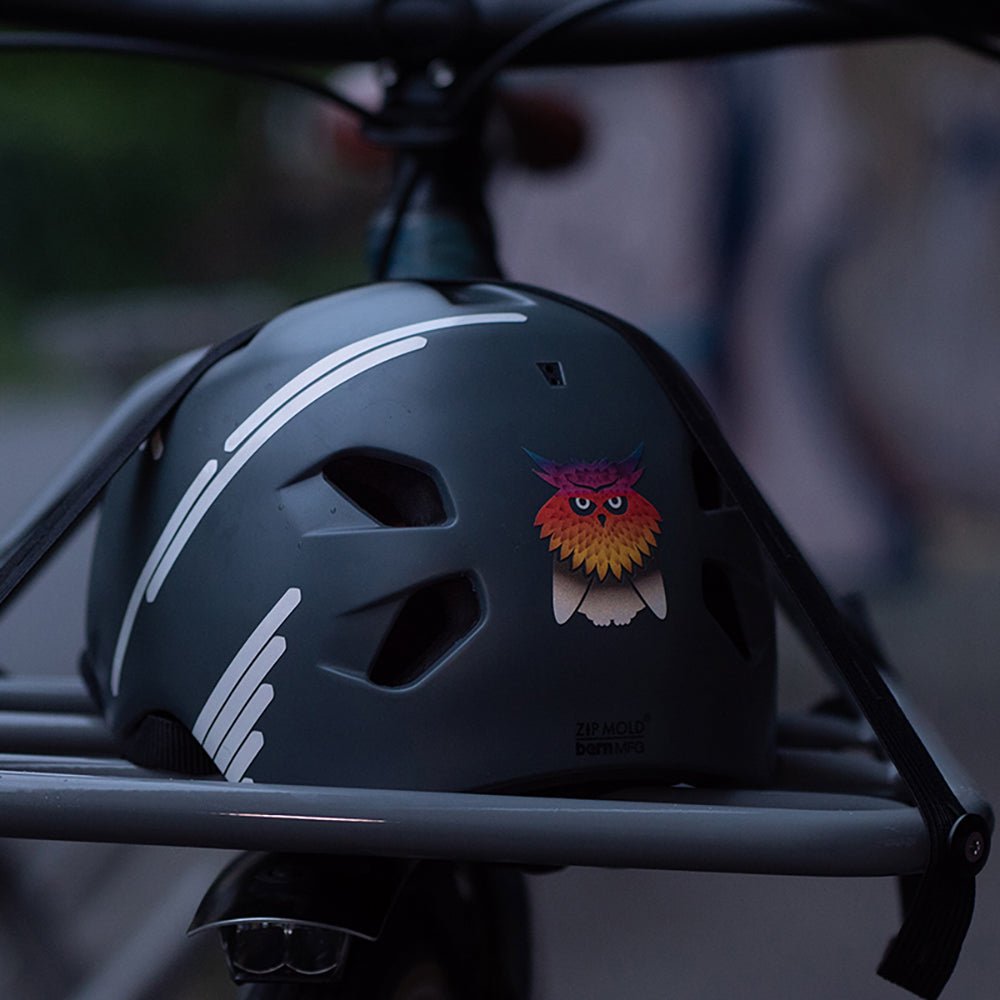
816 235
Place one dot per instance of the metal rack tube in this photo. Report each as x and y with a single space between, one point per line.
783 834
60 733
45 694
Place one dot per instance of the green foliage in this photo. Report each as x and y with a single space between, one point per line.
103 163
120 173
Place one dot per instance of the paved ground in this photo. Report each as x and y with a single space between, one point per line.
599 933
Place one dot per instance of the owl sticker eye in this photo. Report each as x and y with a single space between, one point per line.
617 505
582 505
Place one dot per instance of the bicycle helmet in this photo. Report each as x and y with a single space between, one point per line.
432 536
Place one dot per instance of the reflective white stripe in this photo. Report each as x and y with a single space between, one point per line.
263 434
245 757
241 694
191 494
256 430
182 510
246 720
243 659
331 361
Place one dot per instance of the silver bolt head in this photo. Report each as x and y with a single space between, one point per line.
440 73
975 844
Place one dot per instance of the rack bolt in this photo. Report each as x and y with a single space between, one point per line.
975 844
440 73
970 841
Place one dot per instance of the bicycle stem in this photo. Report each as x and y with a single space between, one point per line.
434 223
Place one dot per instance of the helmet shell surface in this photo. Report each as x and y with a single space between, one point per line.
438 537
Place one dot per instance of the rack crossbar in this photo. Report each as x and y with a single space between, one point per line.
696 830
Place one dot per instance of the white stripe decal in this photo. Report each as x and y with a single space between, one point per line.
244 659
246 720
245 757
331 361
240 697
176 519
277 410
242 693
262 435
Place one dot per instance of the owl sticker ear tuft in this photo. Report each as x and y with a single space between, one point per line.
545 468
632 462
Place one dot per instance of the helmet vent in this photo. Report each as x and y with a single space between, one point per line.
553 372
720 600
480 293
431 621
393 492
709 488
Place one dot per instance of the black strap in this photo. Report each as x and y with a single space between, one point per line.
26 552
922 956
924 953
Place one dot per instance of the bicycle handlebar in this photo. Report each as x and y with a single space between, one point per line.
467 30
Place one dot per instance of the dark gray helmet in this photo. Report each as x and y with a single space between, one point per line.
432 537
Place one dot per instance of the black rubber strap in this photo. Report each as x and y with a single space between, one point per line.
922 956
26 553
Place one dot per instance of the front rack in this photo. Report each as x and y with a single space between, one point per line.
838 808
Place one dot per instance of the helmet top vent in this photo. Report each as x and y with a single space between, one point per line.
553 372
481 293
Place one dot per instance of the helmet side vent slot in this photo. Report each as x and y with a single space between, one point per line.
393 492
709 488
431 621
721 601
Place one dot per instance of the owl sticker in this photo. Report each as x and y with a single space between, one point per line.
603 534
